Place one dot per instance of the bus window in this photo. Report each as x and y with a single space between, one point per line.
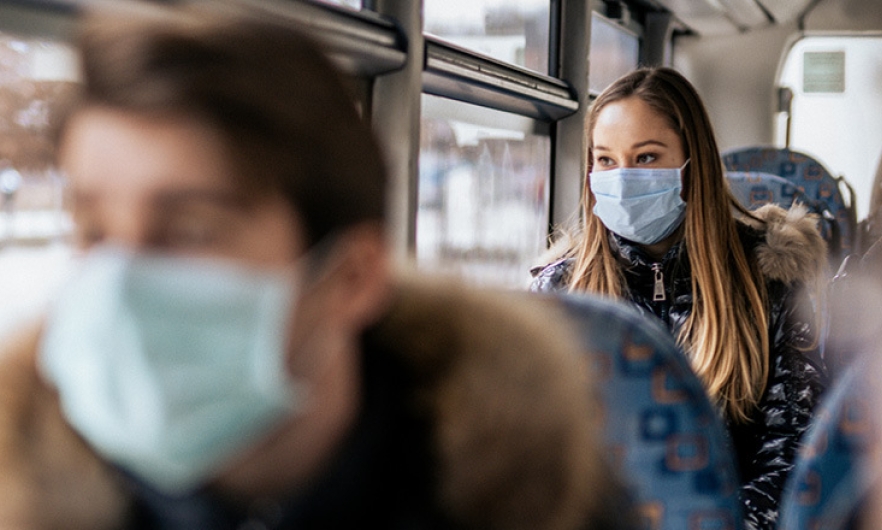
37 77
515 32
615 51
353 4
835 114
483 192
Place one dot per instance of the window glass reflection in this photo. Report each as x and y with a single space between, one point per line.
514 31
614 52
354 4
483 193
37 78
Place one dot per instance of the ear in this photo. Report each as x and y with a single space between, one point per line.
357 289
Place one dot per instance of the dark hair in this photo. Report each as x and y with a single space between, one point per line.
287 115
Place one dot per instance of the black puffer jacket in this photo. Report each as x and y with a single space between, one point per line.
791 254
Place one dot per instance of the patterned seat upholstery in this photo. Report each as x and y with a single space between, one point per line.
831 477
665 437
754 189
813 179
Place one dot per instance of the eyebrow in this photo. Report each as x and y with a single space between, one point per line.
638 145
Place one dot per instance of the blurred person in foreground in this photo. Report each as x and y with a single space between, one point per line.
233 350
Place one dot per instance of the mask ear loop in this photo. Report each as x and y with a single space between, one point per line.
683 179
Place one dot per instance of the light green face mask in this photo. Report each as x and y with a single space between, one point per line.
170 366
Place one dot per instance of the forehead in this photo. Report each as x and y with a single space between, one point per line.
630 120
116 151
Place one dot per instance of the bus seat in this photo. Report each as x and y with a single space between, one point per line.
754 188
665 437
813 179
832 475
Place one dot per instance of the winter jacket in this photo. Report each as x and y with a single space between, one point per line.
791 256
475 415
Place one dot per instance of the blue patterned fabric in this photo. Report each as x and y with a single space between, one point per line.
754 189
665 437
811 178
829 481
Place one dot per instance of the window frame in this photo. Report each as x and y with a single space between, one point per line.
385 47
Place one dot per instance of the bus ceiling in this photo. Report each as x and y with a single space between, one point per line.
725 17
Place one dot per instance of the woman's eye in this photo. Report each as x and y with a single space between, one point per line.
646 158
603 161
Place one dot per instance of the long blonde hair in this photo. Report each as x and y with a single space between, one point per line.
725 334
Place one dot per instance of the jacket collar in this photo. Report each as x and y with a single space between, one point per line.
786 243
792 249
631 255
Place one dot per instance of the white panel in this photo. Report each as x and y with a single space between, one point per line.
842 128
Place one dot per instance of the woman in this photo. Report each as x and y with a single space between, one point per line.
659 230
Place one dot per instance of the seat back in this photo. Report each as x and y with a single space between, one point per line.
754 189
665 437
811 178
831 477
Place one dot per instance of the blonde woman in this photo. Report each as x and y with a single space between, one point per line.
661 229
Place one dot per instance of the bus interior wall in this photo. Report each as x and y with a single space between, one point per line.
737 76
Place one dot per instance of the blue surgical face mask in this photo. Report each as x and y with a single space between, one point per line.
640 204
169 366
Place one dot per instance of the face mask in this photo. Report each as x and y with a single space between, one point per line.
170 366
640 204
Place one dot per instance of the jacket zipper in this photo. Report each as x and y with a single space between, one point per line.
658 289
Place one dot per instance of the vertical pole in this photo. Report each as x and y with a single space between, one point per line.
570 149
657 35
396 120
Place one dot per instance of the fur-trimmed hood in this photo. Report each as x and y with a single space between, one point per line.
793 249
787 244
513 435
